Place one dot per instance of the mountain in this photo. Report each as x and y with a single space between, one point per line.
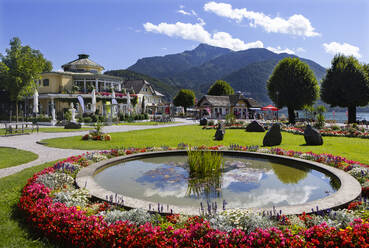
168 90
165 66
246 70
253 77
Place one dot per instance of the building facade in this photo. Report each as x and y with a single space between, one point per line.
79 78
148 99
218 107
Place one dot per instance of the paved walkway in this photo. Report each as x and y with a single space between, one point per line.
47 154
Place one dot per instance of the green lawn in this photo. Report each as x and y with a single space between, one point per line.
11 157
52 130
148 123
351 148
13 232
61 129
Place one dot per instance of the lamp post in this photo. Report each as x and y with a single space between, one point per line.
277 93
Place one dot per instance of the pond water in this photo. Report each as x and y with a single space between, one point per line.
244 183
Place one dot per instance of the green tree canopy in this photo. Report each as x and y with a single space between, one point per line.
346 85
292 85
184 98
20 68
220 88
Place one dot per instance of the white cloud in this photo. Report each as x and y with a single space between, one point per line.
300 50
181 6
201 21
280 50
344 48
196 32
295 25
183 12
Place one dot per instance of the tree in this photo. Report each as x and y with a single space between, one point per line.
292 85
220 88
346 85
20 68
184 98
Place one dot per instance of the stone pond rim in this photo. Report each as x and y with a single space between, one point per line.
349 190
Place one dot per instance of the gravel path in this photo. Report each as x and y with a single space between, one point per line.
47 154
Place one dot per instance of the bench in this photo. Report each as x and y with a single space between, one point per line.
20 128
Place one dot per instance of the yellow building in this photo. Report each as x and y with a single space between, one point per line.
78 78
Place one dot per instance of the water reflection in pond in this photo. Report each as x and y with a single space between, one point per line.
245 182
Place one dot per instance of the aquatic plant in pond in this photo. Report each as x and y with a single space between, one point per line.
203 164
205 171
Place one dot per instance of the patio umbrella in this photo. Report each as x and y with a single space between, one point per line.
112 93
270 107
93 104
35 102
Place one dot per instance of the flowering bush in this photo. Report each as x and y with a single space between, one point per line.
97 157
55 180
77 197
64 215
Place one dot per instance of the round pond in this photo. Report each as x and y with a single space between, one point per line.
244 183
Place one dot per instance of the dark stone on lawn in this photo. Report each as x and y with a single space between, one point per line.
273 137
312 136
255 127
219 134
72 125
203 122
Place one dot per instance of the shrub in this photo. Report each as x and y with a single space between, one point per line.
244 220
94 118
87 119
335 127
136 216
211 123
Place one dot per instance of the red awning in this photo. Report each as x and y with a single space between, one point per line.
269 107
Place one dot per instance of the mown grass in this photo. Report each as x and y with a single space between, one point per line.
11 157
351 148
13 230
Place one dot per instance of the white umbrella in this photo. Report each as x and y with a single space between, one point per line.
35 102
112 93
93 104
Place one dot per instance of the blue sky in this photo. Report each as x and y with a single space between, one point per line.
117 33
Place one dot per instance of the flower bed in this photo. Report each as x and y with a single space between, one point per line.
233 126
345 132
56 209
